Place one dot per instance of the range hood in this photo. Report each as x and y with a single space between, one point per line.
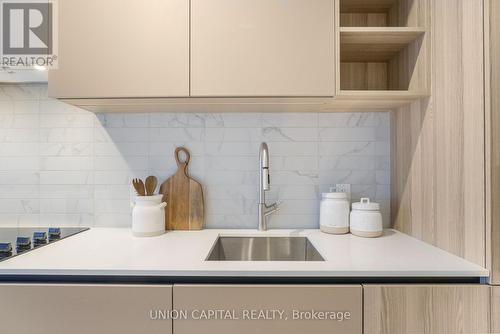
30 75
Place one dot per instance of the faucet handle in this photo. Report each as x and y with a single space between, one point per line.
270 206
273 207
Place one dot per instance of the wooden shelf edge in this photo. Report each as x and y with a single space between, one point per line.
380 35
382 29
400 95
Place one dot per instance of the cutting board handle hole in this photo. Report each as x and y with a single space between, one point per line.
182 156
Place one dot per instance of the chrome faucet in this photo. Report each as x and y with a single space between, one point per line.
265 184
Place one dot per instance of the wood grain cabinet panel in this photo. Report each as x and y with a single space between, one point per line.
288 298
83 309
122 48
493 152
495 309
429 309
438 144
262 48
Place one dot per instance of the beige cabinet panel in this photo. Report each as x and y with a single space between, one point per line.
430 309
287 298
262 48
122 48
83 309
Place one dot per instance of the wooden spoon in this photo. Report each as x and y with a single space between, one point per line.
139 187
151 182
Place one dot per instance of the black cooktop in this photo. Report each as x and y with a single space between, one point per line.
16 241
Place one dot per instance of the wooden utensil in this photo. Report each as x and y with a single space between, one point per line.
184 197
151 182
139 187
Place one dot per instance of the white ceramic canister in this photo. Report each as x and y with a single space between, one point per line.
334 213
148 216
366 219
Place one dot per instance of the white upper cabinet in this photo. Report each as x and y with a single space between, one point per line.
122 48
252 48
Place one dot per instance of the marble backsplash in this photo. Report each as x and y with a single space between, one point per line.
60 165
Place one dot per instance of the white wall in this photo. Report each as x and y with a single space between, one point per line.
60 165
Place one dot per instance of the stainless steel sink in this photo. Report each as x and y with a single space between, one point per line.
263 249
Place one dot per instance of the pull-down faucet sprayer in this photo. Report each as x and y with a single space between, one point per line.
265 185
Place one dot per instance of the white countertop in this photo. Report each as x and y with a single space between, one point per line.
114 251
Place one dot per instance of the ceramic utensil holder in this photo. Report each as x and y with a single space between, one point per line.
148 216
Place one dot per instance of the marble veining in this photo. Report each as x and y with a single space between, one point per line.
60 165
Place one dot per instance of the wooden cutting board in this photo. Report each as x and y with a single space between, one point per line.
184 197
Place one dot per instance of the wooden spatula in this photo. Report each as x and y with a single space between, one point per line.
151 182
184 197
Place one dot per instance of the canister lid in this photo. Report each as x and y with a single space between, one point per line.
366 205
334 195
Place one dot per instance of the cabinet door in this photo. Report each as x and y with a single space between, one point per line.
84 309
430 309
122 48
262 48
240 304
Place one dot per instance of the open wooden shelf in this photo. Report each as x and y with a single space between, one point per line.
380 59
366 6
381 13
382 49
375 44
380 35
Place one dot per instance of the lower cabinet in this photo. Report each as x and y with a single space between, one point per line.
429 309
245 309
84 309
269 309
